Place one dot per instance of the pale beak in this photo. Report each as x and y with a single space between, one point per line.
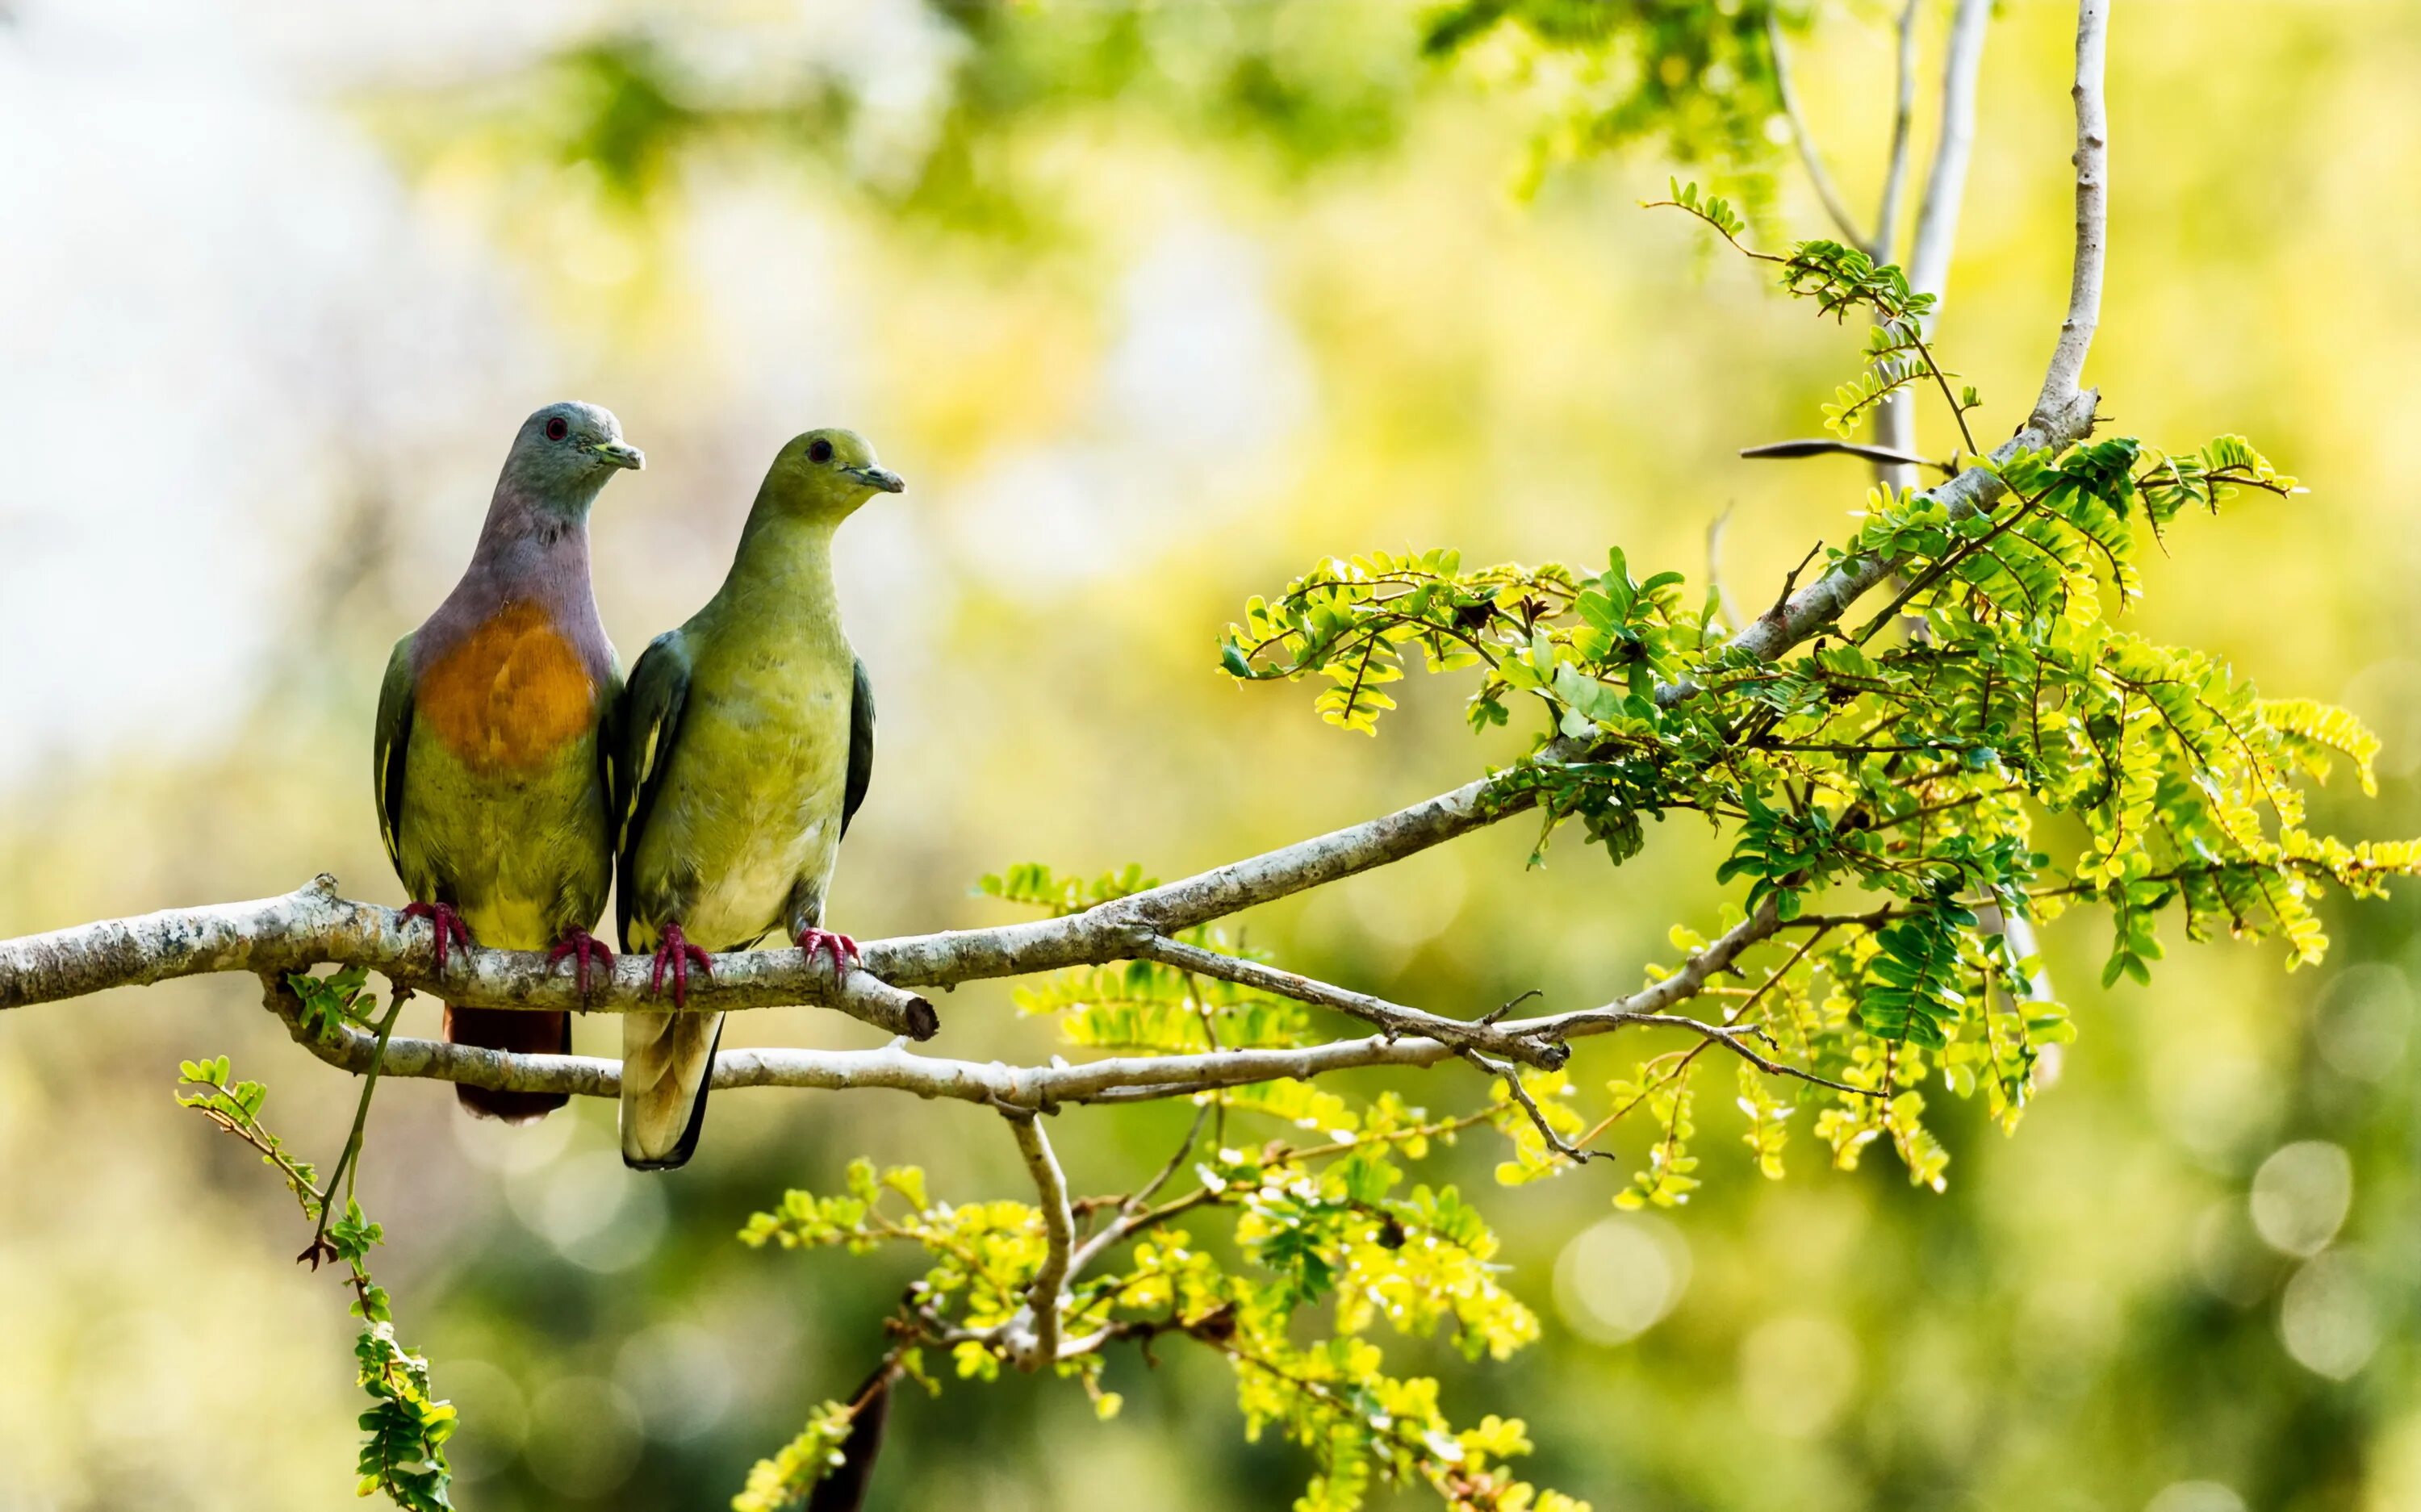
622 453
877 477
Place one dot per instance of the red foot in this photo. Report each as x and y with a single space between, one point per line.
581 948
675 950
842 948
447 924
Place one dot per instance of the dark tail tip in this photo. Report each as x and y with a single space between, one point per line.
522 1033
844 1489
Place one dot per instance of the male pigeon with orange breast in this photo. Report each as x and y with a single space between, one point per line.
491 753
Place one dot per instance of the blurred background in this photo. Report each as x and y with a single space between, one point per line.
1152 304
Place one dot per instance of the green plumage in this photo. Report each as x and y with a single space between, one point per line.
746 744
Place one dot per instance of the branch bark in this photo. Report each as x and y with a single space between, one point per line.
1037 1344
1937 216
2060 383
313 926
1904 122
1945 182
1045 1088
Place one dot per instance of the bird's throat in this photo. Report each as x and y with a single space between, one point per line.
782 573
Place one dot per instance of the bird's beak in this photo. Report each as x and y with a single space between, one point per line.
622 453
879 477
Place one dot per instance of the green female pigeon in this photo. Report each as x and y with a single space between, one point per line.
747 738
490 761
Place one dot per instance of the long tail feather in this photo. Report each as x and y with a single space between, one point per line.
524 1034
666 1059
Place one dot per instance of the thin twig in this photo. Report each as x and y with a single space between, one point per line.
1511 1076
1042 1298
344 1170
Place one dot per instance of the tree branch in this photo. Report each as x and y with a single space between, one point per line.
1821 603
1945 183
313 926
1937 217
1039 1346
1045 1088
1395 1019
1903 118
2092 210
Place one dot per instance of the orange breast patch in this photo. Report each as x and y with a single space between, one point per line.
513 693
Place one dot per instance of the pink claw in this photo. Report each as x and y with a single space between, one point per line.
841 947
581 948
447 923
675 950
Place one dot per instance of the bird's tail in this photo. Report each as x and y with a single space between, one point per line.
526 1033
666 1059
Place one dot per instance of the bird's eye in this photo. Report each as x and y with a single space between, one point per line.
820 450
557 429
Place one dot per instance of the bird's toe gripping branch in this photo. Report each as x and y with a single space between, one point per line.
584 948
675 953
450 930
841 947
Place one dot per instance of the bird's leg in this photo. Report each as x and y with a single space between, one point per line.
674 950
447 923
842 948
581 948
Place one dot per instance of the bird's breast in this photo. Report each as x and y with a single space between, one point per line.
513 692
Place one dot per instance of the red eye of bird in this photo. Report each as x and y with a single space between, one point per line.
820 450
557 429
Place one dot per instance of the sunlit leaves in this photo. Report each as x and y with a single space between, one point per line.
1696 76
1325 1229
1917 977
790 1475
1038 886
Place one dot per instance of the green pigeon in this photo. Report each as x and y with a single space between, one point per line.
747 738
490 763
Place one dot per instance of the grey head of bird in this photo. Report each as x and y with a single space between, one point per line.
825 475
563 454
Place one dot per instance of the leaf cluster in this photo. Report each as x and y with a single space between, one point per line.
405 1427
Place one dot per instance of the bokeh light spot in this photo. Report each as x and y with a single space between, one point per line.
1615 1279
1797 1374
2300 1195
2327 1319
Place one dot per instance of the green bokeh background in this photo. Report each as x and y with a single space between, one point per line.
1172 302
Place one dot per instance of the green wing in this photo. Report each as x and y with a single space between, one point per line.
394 741
646 724
861 744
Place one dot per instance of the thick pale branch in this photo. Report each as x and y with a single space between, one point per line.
1945 182
1937 216
313 926
1903 123
2066 370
